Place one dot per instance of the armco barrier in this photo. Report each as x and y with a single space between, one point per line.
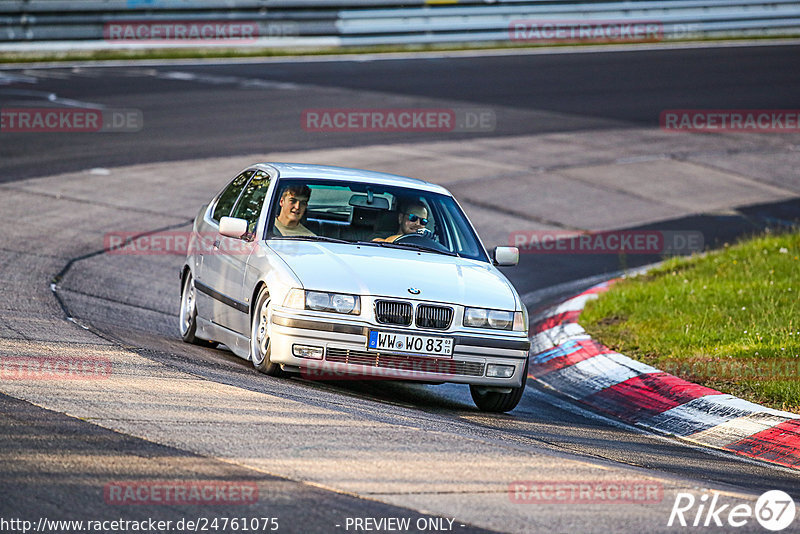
84 23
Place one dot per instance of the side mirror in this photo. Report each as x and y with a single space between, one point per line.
232 227
506 256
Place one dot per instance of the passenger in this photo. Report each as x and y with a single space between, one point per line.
293 204
412 219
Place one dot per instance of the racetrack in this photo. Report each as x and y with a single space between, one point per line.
564 155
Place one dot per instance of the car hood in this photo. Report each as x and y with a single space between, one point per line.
372 270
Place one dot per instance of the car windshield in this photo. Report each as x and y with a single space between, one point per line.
374 215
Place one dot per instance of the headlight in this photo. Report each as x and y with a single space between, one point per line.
318 301
475 317
344 303
501 320
322 301
495 319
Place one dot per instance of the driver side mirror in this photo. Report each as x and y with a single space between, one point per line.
232 227
506 256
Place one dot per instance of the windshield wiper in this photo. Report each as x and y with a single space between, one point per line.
311 238
426 249
407 246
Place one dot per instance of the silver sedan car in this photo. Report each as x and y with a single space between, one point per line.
337 273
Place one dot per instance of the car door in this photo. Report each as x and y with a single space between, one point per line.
205 251
227 266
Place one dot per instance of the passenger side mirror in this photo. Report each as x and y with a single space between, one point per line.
232 227
506 256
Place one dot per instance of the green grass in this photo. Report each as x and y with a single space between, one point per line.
222 53
729 319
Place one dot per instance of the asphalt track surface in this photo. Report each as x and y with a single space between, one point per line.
213 110
211 115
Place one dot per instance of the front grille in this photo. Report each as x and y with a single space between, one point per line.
404 363
434 316
393 312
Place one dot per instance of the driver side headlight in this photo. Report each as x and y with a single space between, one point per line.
494 319
322 301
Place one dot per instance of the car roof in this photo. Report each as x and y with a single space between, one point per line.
329 172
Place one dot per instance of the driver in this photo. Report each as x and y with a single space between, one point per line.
412 219
293 204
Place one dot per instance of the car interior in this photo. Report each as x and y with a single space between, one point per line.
365 224
362 217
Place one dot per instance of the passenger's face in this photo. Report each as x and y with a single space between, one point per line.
407 226
293 207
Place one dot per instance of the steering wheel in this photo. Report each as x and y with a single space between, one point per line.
424 238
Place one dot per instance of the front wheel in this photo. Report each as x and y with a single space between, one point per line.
260 347
495 401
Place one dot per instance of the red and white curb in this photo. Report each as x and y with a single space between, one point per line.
565 358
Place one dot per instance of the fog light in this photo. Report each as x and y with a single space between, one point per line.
495 370
307 351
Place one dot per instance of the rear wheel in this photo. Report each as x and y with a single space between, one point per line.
188 316
260 346
495 401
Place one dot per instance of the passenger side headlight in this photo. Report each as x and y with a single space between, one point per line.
495 319
321 301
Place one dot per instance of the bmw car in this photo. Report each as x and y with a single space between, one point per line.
334 273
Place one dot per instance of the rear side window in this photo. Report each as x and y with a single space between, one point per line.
228 197
251 201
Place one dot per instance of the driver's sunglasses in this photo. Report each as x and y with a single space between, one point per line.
415 218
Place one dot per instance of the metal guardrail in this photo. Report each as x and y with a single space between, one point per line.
84 23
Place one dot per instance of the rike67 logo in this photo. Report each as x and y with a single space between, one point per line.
774 510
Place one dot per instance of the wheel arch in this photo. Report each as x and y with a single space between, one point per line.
254 297
184 271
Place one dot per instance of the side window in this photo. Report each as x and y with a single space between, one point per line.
251 201
229 195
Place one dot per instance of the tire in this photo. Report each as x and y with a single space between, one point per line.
260 347
494 401
187 321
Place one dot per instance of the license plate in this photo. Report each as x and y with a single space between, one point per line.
410 343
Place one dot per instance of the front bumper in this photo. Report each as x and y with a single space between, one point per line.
345 354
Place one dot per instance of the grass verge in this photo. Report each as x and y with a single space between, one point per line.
155 53
729 319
